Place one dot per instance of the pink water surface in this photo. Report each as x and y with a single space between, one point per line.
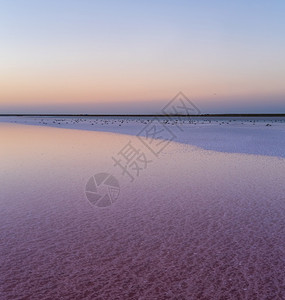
195 224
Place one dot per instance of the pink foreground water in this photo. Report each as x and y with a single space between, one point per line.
195 224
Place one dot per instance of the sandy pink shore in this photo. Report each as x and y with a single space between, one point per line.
249 135
195 224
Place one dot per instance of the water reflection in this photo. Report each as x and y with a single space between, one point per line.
194 224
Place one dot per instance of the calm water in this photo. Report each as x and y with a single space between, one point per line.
194 225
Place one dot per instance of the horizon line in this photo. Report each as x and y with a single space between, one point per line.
147 115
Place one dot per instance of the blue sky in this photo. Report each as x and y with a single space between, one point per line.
109 56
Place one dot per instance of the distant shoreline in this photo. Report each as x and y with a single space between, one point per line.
140 115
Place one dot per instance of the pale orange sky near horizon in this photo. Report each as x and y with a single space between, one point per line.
86 55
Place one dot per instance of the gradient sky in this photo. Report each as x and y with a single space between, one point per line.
67 56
